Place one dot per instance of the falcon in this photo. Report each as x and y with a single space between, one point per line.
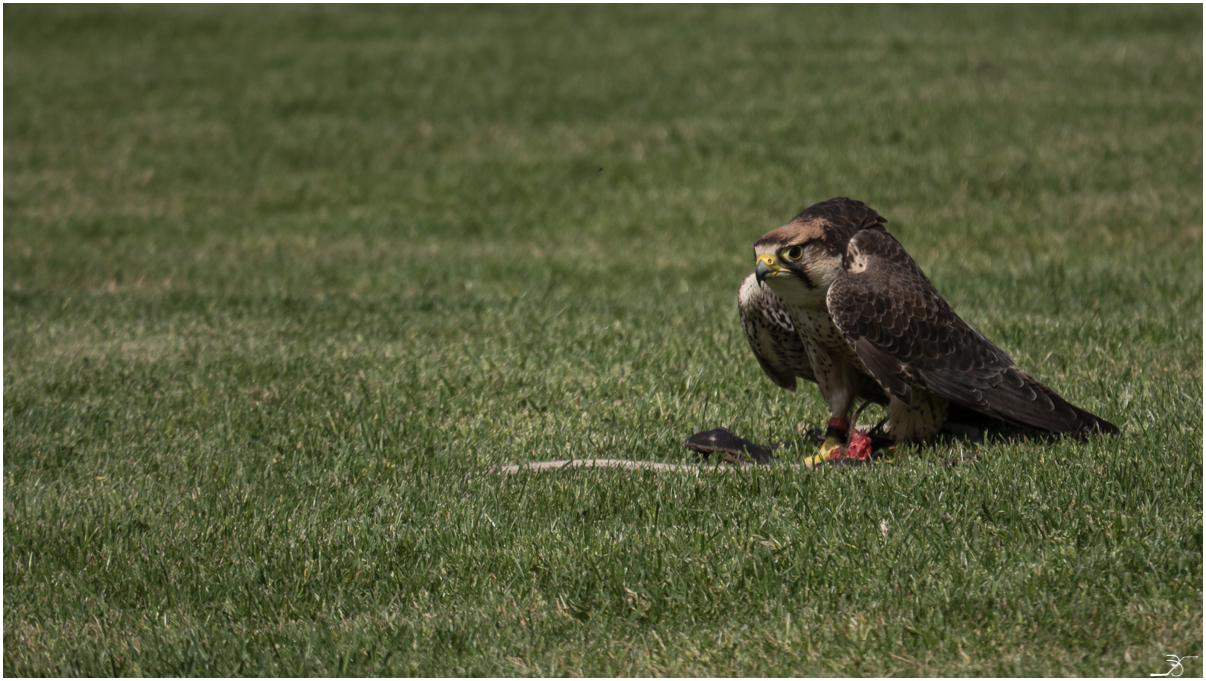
834 299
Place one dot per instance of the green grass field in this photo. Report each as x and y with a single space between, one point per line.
281 284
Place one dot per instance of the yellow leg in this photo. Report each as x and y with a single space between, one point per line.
830 448
835 439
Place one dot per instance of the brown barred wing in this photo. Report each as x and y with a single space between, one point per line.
909 337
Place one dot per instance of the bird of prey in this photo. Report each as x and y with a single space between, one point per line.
836 300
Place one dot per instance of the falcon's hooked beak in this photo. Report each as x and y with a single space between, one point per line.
768 266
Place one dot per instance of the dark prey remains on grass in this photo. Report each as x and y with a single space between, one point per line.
834 299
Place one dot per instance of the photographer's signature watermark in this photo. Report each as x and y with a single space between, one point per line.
1176 665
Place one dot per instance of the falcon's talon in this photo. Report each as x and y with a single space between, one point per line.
832 448
830 445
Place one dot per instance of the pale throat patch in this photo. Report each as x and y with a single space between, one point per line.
794 292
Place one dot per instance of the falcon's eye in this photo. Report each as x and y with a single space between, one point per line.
792 254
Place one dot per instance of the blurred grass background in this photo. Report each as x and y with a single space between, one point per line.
281 283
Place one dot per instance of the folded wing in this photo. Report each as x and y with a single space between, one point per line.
908 336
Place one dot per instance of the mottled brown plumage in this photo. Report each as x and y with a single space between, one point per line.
907 336
772 335
868 323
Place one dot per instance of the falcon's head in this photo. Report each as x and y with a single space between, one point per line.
802 258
